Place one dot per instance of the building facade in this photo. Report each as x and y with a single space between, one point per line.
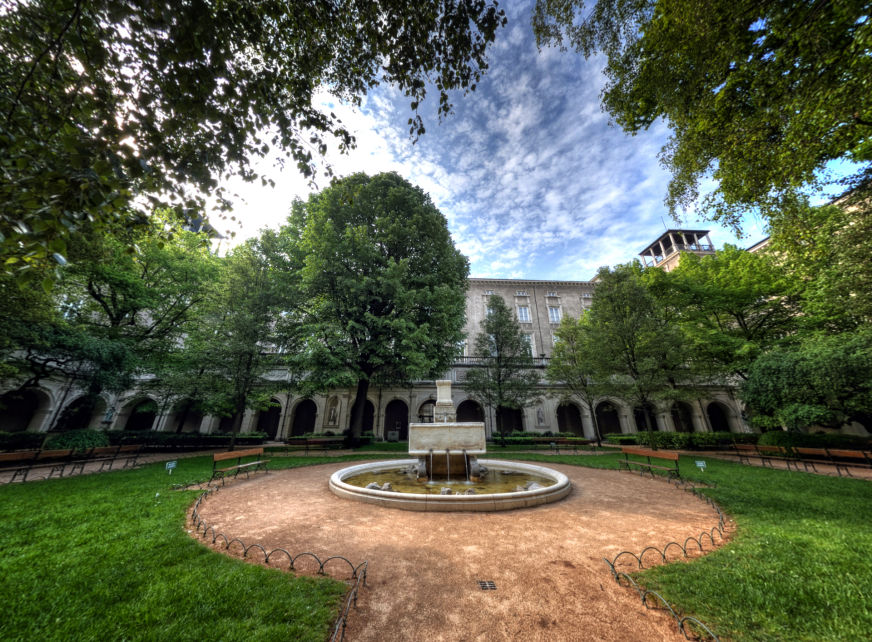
538 305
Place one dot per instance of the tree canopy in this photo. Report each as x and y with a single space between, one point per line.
573 367
382 284
732 307
504 377
634 342
759 96
108 109
821 381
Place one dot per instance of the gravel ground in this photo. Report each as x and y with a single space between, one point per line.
546 562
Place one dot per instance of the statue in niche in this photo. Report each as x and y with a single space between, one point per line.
333 413
540 416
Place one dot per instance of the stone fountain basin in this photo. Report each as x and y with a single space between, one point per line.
447 503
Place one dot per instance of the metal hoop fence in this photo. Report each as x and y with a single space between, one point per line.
687 625
358 572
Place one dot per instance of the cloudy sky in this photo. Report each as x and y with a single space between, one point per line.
534 182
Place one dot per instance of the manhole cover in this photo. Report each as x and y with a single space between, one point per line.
487 585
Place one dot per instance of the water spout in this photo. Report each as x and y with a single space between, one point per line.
430 471
447 465
466 463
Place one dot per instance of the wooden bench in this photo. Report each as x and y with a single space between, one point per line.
745 452
315 443
18 463
22 463
568 444
844 458
661 455
777 453
238 455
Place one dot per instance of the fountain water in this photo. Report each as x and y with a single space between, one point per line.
414 484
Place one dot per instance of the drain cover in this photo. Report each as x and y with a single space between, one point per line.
487 585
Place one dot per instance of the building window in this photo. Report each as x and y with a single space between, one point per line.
529 339
554 294
554 339
553 314
587 295
520 293
461 348
488 292
524 314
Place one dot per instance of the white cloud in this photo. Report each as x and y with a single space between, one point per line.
533 181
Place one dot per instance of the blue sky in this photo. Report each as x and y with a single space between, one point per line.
532 179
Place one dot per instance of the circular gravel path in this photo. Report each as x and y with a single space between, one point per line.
546 562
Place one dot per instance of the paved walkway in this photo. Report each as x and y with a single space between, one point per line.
546 562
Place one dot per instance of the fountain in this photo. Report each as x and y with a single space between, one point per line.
446 474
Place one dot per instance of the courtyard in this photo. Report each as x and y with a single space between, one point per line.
109 556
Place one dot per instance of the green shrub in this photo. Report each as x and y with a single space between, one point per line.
77 439
805 440
21 440
621 440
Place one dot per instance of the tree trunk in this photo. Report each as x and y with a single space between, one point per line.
648 426
183 418
357 417
237 422
596 430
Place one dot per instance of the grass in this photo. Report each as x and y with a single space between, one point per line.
798 567
106 557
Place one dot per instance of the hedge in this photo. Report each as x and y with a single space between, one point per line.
805 440
682 440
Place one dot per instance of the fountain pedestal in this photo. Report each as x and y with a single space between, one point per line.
445 448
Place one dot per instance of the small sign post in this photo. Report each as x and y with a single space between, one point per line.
700 464
171 465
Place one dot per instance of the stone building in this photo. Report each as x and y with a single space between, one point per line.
539 306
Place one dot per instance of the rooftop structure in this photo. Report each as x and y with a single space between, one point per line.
665 252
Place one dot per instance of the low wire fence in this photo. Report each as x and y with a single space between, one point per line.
687 625
358 572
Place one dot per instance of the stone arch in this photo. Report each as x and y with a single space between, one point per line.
569 419
718 416
185 418
682 416
139 414
305 415
427 411
268 420
608 417
225 425
639 415
512 419
368 416
24 410
82 413
470 410
397 418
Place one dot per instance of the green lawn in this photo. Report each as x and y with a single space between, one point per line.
106 557
799 566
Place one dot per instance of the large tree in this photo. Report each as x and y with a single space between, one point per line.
824 380
383 285
224 362
571 366
108 108
115 313
634 343
826 249
732 307
759 96
503 377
